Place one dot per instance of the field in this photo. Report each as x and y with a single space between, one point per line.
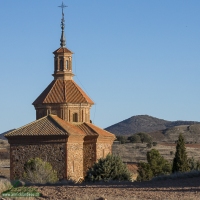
186 188
136 152
131 153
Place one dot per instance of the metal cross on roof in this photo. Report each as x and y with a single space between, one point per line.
62 6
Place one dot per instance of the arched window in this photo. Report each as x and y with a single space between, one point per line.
75 117
61 64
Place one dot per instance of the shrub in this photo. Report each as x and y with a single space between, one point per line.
144 172
122 139
108 169
140 137
193 165
39 171
135 138
156 166
180 162
154 144
149 145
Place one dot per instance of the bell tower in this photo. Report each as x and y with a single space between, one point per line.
63 56
63 97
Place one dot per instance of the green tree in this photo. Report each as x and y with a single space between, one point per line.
149 145
193 164
180 162
140 137
135 138
109 168
156 165
39 171
144 172
145 137
122 139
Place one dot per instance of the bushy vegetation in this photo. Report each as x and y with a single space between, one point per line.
180 162
156 165
140 138
193 164
121 139
107 169
39 171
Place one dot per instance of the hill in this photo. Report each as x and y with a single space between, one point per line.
144 123
2 134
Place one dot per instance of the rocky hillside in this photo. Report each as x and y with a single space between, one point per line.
191 133
144 123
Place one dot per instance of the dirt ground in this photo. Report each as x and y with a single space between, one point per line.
183 189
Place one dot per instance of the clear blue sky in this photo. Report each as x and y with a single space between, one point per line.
131 57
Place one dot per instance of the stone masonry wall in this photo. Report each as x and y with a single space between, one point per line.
53 153
89 156
74 161
102 149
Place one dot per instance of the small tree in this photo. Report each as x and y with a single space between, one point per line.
39 171
149 145
193 164
140 137
144 172
154 144
156 166
145 137
135 138
109 168
180 162
122 139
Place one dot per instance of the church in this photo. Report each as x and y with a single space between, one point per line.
63 133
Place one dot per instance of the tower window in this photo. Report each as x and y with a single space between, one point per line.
66 64
56 65
61 64
75 117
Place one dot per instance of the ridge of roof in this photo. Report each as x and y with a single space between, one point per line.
82 92
99 130
68 127
42 96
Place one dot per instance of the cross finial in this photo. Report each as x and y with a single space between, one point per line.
62 6
62 39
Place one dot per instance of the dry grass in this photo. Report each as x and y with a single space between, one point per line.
136 152
4 185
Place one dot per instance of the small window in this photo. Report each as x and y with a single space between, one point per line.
61 64
56 65
66 64
75 117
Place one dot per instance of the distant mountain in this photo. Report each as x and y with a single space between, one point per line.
2 134
144 123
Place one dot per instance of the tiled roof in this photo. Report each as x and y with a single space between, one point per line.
91 129
48 125
63 91
86 129
53 125
62 50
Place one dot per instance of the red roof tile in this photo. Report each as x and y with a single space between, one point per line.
63 91
91 129
48 125
62 50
